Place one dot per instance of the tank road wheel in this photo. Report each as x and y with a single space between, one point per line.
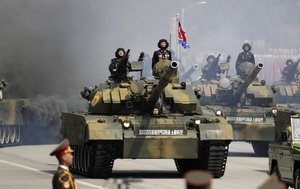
18 133
212 157
6 136
12 133
297 179
2 134
260 148
94 159
101 159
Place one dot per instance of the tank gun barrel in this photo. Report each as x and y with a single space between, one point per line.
237 95
162 83
188 73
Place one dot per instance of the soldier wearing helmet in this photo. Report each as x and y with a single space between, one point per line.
291 71
211 69
245 56
119 65
162 53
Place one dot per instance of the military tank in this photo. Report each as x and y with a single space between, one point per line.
146 119
11 120
186 76
245 102
288 90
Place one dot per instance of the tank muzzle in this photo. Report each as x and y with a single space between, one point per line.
174 65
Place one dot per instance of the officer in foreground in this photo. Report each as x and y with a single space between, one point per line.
63 179
162 53
119 65
245 56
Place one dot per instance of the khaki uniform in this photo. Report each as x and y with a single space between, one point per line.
63 179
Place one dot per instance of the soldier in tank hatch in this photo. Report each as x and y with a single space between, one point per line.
291 71
162 53
119 65
245 56
211 69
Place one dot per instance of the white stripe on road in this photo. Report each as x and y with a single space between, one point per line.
39 171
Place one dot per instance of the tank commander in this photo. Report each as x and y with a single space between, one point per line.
162 53
63 179
211 69
119 65
245 56
291 71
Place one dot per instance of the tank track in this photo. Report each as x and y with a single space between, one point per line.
94 159
212 157
10 135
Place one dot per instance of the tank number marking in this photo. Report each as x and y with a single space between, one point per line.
160 132
245 119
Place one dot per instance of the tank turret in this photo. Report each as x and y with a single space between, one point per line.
162 83
245 102
186 75
249 79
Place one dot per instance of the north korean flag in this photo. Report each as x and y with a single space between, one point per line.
182 37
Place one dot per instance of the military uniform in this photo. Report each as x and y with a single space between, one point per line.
291 71
63 179
162 53
245 56
119 67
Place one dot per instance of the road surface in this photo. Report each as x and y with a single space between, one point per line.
31 167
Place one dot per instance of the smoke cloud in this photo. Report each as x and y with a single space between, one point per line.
54 48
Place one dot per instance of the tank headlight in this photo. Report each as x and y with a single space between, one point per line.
197 121
126 125
219 113
168 106
274 111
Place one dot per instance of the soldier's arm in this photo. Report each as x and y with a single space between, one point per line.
112 67
170 55
238 61
253 59
154 59
65 181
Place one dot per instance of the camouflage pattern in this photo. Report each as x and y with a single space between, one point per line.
245 102
11 121
284 153
287 93
121 123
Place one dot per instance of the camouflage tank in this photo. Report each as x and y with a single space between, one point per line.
11 121
146 119
246 103
288 90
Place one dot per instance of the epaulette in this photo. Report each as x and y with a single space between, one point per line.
65 177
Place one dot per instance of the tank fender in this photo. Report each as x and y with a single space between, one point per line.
215 130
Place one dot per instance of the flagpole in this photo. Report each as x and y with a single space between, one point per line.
178 49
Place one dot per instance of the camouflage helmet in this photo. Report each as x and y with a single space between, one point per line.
246 45
289 62
117 51
163 40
